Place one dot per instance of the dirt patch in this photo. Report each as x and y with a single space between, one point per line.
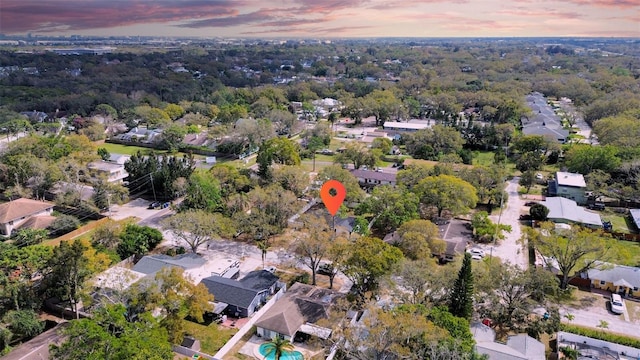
633 308
583 299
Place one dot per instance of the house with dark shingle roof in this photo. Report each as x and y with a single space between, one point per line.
16 213
151 264
297 313
241 298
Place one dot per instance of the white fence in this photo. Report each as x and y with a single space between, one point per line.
620 349
245 329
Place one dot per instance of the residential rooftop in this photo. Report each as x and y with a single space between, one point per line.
570 179
618 275
374 175
151 264
562 208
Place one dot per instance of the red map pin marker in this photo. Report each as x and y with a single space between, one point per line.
333 202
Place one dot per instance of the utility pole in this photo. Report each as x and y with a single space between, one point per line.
109 204
504 166
153 187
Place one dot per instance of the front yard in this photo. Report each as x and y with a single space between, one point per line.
620 222
633 308
212 337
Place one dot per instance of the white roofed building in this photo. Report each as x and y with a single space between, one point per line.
569 185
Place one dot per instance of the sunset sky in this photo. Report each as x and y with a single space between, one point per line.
322 18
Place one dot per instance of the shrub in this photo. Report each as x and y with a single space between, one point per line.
138 240
600 335
64 224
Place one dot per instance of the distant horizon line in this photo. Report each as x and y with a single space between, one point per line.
576 37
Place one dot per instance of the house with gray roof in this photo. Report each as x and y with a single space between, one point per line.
566 211
296 313
635 216
151 264
624 280
241 298
139 134
517 347
543 121
569 185
371 178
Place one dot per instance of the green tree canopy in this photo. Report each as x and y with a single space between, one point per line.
446 192
138 240
420 239
69 268
585 158
108 335
433 142
369 260
197 227
389 206
203 192
176 295
461 296
357 154
572 251
277 150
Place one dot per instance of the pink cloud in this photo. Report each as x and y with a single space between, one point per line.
607 3
537 12
33 15
327 6
400 4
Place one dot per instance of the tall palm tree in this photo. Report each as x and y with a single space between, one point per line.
276 346
263 245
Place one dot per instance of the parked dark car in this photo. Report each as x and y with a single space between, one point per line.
165 205
154 205
596 206
530 203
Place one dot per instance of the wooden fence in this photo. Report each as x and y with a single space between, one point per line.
77 232
625 236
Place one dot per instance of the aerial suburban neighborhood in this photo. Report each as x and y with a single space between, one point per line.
163 199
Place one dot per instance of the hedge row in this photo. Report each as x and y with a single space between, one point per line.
601 335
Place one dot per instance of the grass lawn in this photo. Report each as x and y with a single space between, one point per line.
131 150
90 228
631 251
535 190
484 158
211 337
124 149
620 222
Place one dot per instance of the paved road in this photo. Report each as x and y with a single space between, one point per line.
580 123
5 140
38 347
591 317
508 249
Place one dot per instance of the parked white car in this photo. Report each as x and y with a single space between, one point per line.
617 307
476 253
